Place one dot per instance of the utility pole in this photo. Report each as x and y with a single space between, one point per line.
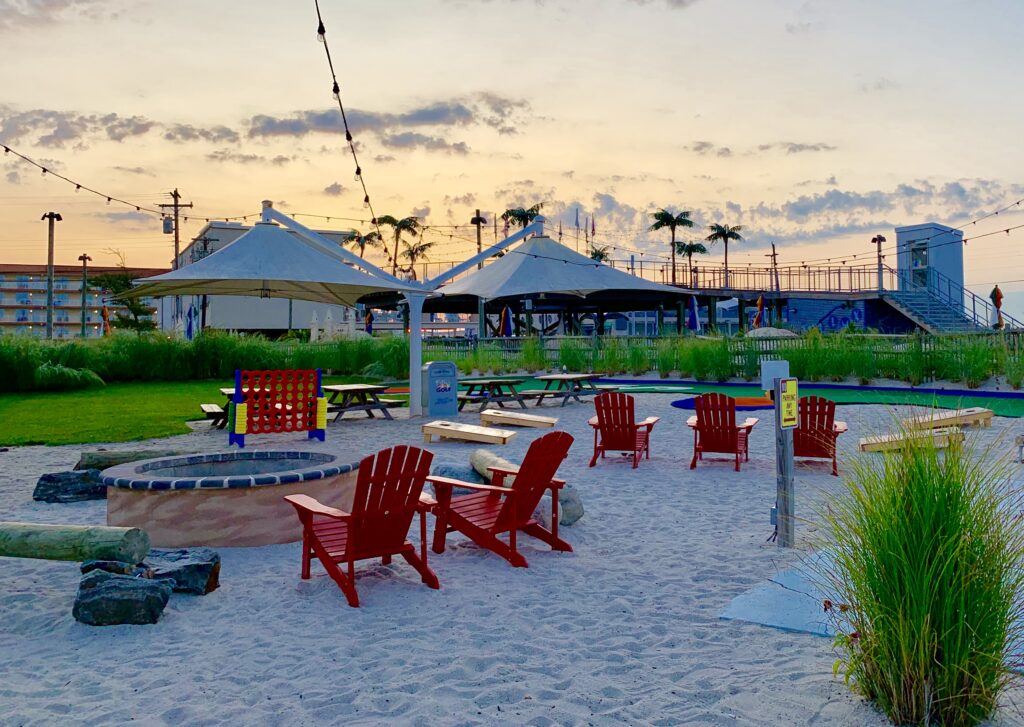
879 240
85 273
176 205
775 267
205 301
52 217
479 222
481 312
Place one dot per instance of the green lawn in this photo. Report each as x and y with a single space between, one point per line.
114 413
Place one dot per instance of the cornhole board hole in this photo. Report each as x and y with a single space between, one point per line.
951 418
465 433
889 442
516 419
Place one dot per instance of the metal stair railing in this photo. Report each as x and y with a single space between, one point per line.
972 308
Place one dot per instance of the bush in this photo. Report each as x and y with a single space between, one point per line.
531 356
928 564
665 356
54 377
611 356
637 359
19 358
574 355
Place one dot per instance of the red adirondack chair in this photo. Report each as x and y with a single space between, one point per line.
715 429
388 493
494 509
616 428
818 430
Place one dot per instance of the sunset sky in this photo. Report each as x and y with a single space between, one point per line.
813 123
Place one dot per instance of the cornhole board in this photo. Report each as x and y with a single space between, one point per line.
465 433
952 418
889 442
515 419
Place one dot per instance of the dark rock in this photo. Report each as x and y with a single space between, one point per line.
70 487
189 570
101 459
109 599
116 566
457 472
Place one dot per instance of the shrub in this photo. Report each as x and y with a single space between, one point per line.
637 359
1013 367
574 355
928 558
665 356
19 358
611 356
531 356
54 377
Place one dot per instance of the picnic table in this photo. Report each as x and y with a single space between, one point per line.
567 386
358 397
491 391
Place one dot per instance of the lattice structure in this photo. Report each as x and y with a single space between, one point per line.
271 402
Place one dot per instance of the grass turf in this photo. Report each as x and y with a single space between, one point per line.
114 413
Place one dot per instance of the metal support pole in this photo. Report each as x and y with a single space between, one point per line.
878 240
52 217
85 263
415 301
784 495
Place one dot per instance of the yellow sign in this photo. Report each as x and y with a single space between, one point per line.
789 407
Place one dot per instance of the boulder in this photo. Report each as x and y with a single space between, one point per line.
570 508
116 566
109 599
466 474
101 459
188 570
70 487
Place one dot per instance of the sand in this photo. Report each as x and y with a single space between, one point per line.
625 630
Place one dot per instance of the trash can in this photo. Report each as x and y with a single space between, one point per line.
440 389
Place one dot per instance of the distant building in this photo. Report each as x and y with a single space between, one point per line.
23 299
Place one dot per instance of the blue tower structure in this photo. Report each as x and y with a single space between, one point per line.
930 256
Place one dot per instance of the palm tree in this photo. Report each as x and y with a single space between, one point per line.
370 239
520 216
413 251
662 219
690 249
600 254
410 225
724 233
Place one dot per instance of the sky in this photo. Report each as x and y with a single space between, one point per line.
814 124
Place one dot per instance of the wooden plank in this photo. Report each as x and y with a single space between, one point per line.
887 442
516 419
465 433
951 418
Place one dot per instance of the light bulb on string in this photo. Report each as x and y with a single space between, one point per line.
44 172
335 90
78 187
321 32
358 174
108 201
366 201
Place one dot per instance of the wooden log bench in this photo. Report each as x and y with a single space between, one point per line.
974 416
73 542
516 419
941 438
465 433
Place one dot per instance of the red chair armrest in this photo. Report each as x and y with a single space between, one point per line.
648 422
691 422
840 428
315 507
749 423
593 422
449 482
504 470
557 484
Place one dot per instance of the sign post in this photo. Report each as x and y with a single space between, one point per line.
786 419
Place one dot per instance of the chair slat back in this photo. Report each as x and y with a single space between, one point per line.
616 419
716 420
536 472
817 419
388 487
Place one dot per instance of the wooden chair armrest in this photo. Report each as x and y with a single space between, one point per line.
840 427
449 482
691 422
315 507
749 423
593 422
426 502
504 470
648 422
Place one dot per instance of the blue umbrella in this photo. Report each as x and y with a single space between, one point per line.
693 320
190 317
505 322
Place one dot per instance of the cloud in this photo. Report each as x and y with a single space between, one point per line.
464 199
180 133
13 177
421 213
416 140
671 4
879 85
804 28
334 189
135 219
796 147
15 14
141 171
237 157
45 127
383 158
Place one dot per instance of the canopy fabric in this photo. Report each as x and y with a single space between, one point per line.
269 262
541 265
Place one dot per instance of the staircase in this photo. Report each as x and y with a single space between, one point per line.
930 313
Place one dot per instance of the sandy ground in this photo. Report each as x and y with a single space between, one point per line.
625 630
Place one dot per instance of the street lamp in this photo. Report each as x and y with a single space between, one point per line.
878 240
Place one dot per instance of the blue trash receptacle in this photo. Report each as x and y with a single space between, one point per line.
440 388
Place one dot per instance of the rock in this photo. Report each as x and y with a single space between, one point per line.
70 487
116 566
570 508
466 474
101 459
109 599
188 570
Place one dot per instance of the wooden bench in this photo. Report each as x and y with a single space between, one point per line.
941 438
516 419
952 418
391 402
465 433
215 413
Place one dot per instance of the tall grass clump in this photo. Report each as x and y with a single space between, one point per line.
19 358
531 356
638 360
54 377
1013 369
928 564
977 362
665 356
611 356
574 355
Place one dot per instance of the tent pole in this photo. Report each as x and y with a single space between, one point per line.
481 318
415 301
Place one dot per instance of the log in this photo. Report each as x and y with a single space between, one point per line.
481 459
102 459
73 542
